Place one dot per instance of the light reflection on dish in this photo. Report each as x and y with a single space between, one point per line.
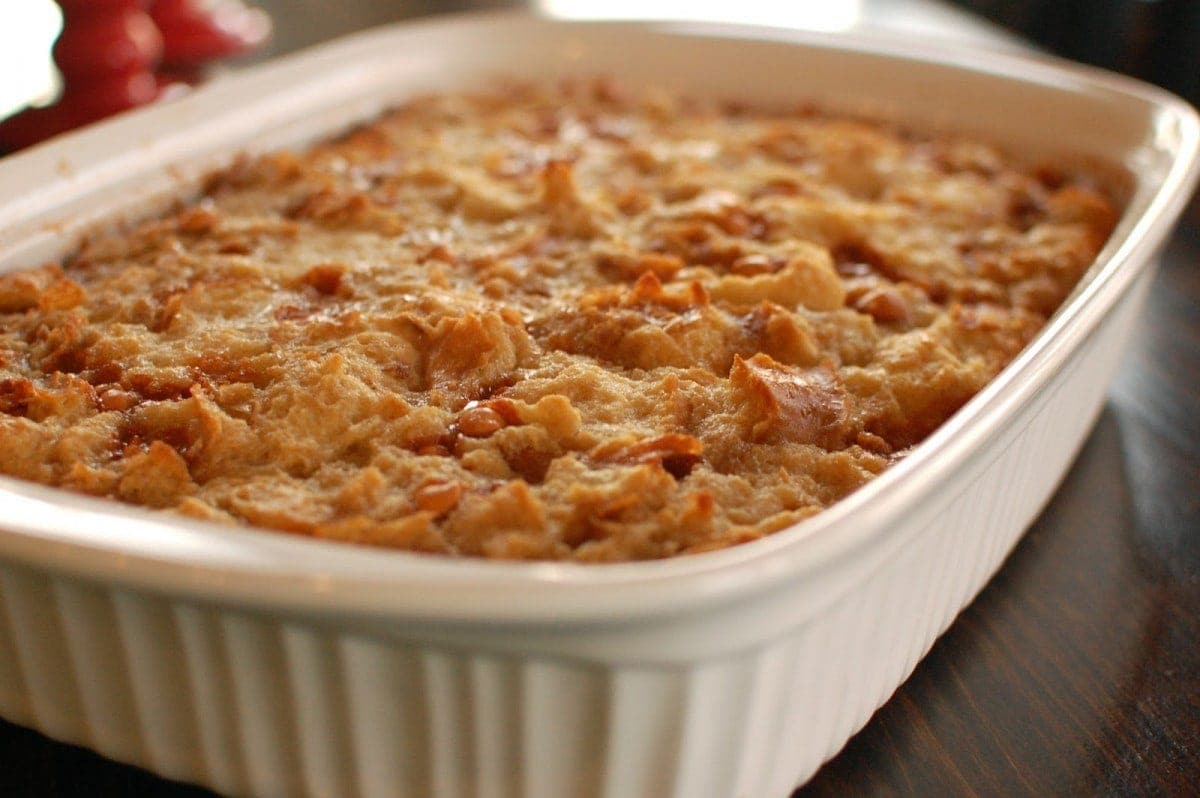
833 15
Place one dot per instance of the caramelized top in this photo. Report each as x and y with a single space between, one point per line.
541 323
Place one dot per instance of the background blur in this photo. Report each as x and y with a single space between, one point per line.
1158 40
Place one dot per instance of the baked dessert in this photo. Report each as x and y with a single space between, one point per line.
549 323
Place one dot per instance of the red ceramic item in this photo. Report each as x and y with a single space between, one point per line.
93 45
112 55
198 31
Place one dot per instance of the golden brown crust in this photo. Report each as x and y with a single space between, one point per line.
531 323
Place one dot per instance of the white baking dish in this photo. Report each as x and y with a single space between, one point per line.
257 663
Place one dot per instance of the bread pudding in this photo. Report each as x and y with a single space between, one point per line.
581 322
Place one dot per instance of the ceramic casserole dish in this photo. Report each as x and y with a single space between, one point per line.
258 663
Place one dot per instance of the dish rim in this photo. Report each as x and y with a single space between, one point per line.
54 529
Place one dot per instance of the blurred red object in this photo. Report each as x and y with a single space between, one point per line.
104 39
111 54
198 31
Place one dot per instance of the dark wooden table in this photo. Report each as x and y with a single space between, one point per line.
1075 672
